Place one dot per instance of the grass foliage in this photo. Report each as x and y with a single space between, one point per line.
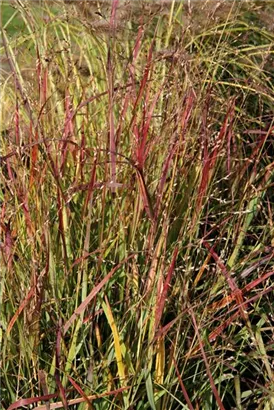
137 234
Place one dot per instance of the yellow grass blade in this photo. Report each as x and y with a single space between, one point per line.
118 346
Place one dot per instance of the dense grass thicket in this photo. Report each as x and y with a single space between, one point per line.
137 227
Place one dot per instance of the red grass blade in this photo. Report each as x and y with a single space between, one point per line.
228 299
71 402
186 396
213 387
219 330
31 400
236 292
58 405
61 389
22 306
113 13
145 195
142 85
81 392
162 297
92 294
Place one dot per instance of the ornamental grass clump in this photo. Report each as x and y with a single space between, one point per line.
136 205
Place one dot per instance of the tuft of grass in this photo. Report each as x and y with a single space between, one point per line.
136 205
